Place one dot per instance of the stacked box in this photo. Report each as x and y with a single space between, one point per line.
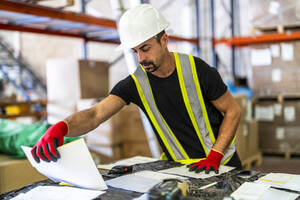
279 71
279 126
269 13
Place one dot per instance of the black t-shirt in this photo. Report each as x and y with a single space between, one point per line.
169 100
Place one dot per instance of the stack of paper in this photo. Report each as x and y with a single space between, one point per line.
141 181
184 171
255 191
75 167
281 180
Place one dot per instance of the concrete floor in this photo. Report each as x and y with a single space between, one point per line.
273 163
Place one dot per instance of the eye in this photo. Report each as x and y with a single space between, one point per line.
146 48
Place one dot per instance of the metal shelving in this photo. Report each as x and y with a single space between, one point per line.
24 17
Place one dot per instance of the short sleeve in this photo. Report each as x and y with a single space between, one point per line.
210 80
122 90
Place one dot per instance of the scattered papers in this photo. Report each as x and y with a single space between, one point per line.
141 181
75 167
281 180
58 193
129 161
184 171
255 191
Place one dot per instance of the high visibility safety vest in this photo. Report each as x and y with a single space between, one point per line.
194 103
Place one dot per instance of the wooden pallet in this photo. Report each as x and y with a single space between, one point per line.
287 154
275 29
254 160
279 98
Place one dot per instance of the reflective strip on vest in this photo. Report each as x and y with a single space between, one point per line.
170 141
192 96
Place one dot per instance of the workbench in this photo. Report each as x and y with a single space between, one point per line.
226 184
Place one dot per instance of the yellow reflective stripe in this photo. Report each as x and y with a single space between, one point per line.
200 97
163 156
190 161
177 142
187 102
143 99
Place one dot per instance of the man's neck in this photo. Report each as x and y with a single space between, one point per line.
167 67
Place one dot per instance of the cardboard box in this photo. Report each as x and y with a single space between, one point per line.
281 74
104 155
128 123
279 139
17 173
130 149
253 142
242 141
269 13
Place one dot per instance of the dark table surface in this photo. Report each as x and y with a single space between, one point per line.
226 184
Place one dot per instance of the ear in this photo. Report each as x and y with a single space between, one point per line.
164 40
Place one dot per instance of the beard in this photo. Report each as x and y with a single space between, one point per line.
147 66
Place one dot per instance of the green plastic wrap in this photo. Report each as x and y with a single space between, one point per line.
13 135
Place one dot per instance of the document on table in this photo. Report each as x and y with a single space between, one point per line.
141 181
58 193
184 171
256 191
75 167
129 161
281 180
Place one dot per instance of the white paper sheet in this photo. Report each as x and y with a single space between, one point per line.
255 191
275 51
141 181
250 191
129 161
260 57
184 171
58 193
281 180
75 166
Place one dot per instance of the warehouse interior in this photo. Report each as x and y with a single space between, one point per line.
59 57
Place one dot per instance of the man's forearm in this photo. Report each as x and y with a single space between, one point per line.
227 130
81 122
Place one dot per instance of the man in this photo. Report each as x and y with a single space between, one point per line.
190 109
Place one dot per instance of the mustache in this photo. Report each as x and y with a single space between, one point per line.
146 63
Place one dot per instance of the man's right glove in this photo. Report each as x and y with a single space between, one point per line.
46 147
211 163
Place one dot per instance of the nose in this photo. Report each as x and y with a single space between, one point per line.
140 56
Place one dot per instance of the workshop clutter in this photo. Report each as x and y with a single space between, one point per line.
279 125
247 133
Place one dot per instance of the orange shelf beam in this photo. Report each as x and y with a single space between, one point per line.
50 32
267 38
36 10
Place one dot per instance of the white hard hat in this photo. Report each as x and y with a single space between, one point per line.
138 24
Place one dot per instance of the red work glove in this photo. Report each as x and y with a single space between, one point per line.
46 147
211 163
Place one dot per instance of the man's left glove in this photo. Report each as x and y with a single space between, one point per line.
211 163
